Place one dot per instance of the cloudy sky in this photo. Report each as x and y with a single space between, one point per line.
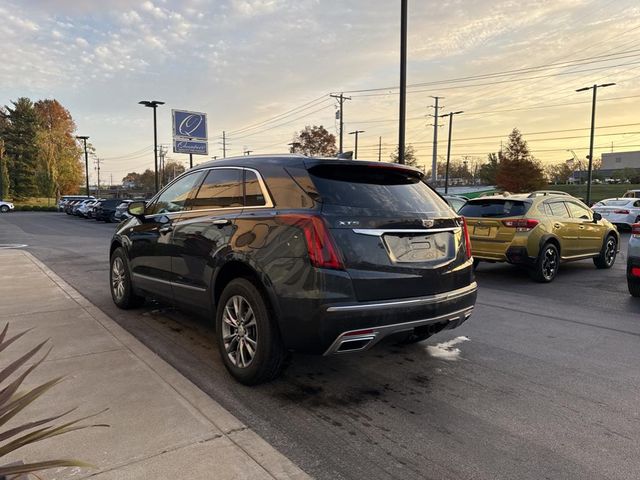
262 69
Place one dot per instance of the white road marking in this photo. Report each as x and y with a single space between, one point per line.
6 246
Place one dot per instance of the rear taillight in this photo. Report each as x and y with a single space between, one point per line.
467 240
621 212
521 224
635 229
323 252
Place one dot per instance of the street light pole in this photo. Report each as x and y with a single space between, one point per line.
84 139
446 171
593 126
356 133
154 104
403 80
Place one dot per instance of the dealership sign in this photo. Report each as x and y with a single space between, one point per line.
197 147
189 132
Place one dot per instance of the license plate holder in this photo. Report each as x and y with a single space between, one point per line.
412 248
481 231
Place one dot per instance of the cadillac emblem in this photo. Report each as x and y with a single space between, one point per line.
427 223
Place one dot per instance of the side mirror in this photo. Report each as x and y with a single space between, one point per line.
136 209
596 216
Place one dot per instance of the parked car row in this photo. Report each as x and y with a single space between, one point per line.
103 209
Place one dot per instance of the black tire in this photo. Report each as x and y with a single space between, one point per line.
634 287
122 290
547 264
255 331
608 253
476 262
4 209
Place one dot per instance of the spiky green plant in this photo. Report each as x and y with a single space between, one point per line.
13 401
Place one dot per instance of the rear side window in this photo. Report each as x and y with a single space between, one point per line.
377 188
558 209
253 194
222 188
498 208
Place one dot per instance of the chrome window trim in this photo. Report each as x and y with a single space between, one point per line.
167 282
263 187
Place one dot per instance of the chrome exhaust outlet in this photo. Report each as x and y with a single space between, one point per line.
354 344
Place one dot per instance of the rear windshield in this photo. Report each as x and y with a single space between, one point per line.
497 208
613 203
375 188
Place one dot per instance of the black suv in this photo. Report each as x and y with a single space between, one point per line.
105 210
292 253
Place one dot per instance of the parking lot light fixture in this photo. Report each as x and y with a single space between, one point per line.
593 123
356 133
84 139
154 104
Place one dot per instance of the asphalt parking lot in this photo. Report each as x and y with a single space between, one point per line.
546 384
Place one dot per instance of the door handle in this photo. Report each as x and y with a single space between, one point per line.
221 222
166 229
557 225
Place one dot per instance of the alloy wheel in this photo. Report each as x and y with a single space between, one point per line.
118 274
239 331
549 263
610 251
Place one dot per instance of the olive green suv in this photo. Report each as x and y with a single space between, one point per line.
539 233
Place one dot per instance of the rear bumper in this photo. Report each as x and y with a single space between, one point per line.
358 326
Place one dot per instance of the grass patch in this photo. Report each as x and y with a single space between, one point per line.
598 192
35 202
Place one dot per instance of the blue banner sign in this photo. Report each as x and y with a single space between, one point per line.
197 147
189 125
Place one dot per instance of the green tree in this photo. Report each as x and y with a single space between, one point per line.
314 141
488 172
518 171
172 169
410 158
559 172
19 133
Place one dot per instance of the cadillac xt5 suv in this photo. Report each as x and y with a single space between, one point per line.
292 253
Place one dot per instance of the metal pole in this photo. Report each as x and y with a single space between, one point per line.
86 164
191 160
434 161
356 152
379 149
446 172
155 146
403 80
593 123
224 144
341 120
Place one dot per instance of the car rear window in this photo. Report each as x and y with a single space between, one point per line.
494 208
614 203
378 188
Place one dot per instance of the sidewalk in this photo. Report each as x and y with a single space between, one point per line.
162 426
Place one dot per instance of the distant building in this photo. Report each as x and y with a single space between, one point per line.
620 160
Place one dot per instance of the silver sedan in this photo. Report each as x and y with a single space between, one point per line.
619 211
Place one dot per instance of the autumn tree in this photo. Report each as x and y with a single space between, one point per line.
559 172
410 158
19 132
60 170
314 141
518 171
172 169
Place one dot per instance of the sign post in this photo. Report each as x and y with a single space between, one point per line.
190 133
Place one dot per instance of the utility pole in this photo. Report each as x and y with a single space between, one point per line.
224 144
84 139
1 169
356 133
97 162
434 161
403 80
379 149
162 153
341 98
154 104
191 160
446 172
593 126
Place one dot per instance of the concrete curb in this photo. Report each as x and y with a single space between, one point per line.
272 461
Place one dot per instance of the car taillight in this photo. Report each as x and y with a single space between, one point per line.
635 229
323 253
621 212
521 224
467 240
